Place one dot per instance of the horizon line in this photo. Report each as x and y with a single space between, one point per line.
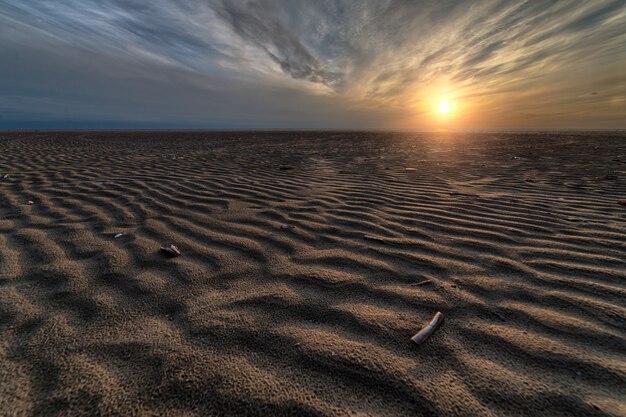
304 129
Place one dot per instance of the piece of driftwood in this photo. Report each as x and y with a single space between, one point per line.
118 235
428 330
171 250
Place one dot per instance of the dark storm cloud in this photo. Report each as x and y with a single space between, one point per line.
314 63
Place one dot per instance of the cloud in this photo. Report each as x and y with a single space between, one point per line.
259 26
241 62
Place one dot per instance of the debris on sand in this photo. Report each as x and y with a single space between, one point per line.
516 157
575 219
530 180
117 236
285 167
171 250
497 315
456 193
428 330
5 176
606 177
373 238
425 282
410 169
289 227
30 202
622 202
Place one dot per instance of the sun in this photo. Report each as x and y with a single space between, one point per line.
444 106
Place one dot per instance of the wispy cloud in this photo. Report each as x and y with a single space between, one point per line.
373 62
259 25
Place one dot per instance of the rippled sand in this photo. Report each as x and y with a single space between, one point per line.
279 305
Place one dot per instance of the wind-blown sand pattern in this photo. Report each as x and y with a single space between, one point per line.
279 305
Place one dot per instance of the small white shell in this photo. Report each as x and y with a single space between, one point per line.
171 250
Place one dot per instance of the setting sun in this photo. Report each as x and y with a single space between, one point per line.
444 106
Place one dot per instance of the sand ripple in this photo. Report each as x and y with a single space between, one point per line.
280 305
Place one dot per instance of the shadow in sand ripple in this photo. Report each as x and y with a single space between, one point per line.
280 305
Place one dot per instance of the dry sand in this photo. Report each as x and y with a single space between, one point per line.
280 306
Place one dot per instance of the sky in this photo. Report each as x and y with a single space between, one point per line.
312 64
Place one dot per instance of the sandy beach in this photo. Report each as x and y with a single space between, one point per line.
308 261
